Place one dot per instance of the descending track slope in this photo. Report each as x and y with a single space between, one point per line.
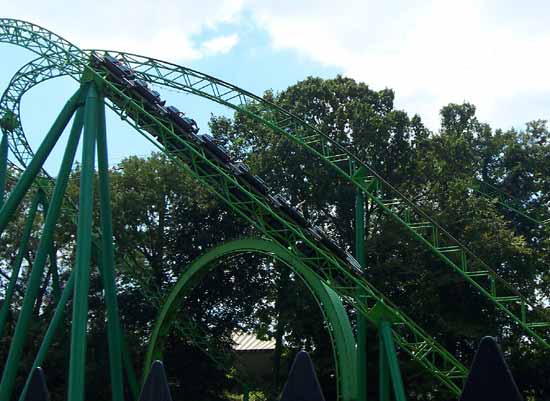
261 213
514 205
411 219
260 210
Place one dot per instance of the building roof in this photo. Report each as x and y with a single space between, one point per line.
249 342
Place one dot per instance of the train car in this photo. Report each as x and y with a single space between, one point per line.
118 69
192 124
292 212
259 185
242 171
218 151
315 232
354 263
331 245
335 249
96 60
183 123
152 96
274 202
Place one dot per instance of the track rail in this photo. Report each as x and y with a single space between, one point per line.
412 220
254 209
260 213
507 201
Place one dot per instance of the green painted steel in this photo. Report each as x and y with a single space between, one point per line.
77 363
413 220
23 248
328 300
413 340
133 383
507 201
3 166
44 246
390 355
56 286
51 332
29 175
64 56
361 319
257 211
108 258
383 372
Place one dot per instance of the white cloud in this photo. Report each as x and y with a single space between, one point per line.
493 53
430 52
162 28
221 44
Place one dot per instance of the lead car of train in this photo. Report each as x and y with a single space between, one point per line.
122 74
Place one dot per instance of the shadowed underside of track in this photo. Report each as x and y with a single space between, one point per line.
58 57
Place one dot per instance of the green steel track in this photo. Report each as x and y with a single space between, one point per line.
412 219
329 303
413 340
507 201
59 57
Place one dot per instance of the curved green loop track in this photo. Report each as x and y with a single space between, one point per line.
59 57
328 301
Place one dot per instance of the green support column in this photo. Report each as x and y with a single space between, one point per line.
23 244
385 333
361 320
130 371
53 258
50 332
83 251
383 372
108 258
21 329
30 173
3 167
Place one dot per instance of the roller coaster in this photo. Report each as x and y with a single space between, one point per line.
123 82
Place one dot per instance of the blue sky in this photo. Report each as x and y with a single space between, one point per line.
491 53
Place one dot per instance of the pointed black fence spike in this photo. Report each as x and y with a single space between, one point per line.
302 383
37 390
156 385
490 378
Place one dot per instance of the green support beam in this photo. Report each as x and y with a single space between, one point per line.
328 301
419 226
44 246
73 61
108 258
16 267
383 372
51 332
389 368
3 166
34 167
77 363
